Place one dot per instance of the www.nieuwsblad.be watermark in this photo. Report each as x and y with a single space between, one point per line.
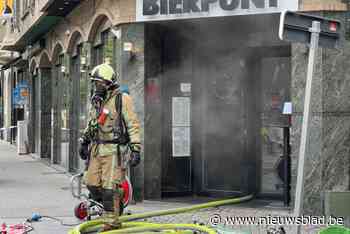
218 219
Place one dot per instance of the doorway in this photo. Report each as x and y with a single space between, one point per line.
221 80
213 150
45 113
61 95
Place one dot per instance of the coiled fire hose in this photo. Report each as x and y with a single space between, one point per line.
128 226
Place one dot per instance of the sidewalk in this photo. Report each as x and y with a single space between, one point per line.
28 185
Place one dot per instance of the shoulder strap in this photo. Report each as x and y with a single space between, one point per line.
119 108
118 103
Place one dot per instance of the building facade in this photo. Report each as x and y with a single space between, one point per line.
208 91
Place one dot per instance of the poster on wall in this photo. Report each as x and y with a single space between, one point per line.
181 114
20 95
181 141
152 10
181 126
6 8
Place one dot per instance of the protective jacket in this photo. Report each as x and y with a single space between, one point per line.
103 136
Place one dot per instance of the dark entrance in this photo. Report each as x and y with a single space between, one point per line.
45 113
217 66
219 163
227 166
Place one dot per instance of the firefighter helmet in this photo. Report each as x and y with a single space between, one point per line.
105 73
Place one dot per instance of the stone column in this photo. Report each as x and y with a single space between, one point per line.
132 74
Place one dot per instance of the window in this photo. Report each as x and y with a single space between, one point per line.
104 50
26 6
108 46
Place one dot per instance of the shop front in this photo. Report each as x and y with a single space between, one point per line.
217 87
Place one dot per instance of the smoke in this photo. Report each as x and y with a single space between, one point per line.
222 59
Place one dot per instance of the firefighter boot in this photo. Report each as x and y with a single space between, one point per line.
111 206
95 193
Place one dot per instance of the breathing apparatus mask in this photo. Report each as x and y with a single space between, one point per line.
103 79
100 90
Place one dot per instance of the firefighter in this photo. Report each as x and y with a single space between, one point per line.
110 142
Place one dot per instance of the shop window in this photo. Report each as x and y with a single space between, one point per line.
104 49
108 47
97 55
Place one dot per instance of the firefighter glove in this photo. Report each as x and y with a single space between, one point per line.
84 150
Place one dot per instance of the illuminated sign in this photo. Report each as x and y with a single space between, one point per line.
148 10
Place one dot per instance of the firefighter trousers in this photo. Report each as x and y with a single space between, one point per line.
105 173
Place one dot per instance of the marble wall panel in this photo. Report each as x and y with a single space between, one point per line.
336 153
299 73
313 163
132 73
336 70
153 117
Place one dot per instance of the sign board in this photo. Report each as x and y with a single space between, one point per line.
185 87
6 8
295 27
154 10
20 94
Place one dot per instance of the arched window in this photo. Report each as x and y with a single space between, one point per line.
104 45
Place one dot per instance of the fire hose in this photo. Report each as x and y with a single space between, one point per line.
128 224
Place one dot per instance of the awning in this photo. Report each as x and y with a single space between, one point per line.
34 33
55 11
60 8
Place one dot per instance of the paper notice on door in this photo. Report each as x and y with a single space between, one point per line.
181 111
181 141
